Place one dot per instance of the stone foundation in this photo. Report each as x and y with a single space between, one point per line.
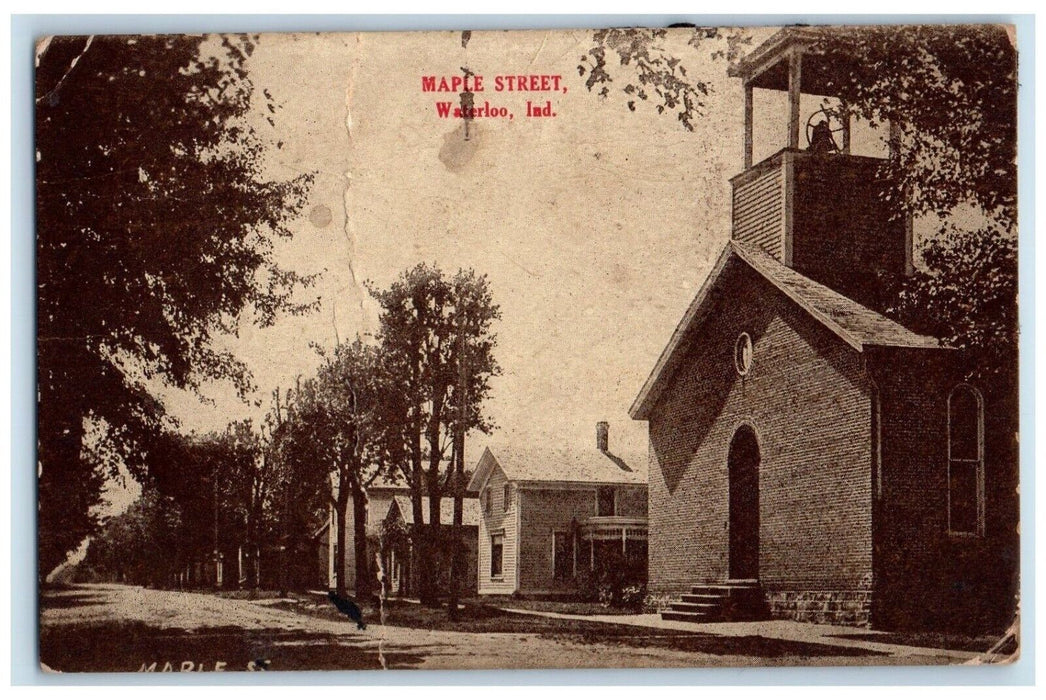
849 607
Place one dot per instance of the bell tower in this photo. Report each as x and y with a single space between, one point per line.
813 204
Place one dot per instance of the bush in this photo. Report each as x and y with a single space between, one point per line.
614 583
656 602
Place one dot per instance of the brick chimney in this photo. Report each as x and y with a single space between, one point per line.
603 436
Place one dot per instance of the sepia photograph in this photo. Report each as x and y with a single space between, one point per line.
630 347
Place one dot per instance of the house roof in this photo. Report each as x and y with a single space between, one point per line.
384 482
469 509
766 66
857 325
378 505
531 465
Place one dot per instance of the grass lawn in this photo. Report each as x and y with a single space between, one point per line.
251 594
566 607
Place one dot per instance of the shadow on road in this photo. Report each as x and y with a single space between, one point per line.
135 646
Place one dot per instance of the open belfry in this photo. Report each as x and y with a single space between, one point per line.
810 458
814 205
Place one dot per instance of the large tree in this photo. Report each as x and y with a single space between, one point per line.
949 95
333 427
437 345
250 476
156 222
302 486
142 545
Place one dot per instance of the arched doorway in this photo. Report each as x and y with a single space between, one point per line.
743 466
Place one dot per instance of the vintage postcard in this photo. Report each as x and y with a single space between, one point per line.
604 348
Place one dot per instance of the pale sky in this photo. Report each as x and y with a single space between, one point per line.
596 227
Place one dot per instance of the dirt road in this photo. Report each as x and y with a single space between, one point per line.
127 628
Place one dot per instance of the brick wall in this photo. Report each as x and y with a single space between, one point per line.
843 233
926 577
807 399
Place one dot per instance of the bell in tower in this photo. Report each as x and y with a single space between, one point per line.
815 206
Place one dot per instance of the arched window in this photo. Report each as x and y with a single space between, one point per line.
965 461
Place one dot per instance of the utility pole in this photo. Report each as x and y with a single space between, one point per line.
458 472
217 563
286 510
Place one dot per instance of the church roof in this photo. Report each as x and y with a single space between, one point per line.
857 325
552 465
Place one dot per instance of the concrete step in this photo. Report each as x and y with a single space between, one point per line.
723 589
702 597
696 607
677 616
738 599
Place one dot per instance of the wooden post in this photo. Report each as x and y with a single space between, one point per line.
795 75
748 125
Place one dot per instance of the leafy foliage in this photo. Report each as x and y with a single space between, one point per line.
655 75
222 486
141 545
332 435
950 95
617 581
156 224
967 296
950 92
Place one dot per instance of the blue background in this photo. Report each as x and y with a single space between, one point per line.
25 29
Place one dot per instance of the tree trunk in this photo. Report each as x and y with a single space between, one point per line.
434 541
364 589
341 505
419 550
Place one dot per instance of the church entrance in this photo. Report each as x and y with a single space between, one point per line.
743 466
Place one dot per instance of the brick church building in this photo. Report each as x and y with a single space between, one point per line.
809 457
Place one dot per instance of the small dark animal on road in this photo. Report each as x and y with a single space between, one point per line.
349 608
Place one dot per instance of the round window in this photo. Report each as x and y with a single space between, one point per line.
743 354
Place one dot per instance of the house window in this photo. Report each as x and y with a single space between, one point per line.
562 556
497 548
965 461
605 501
743 354
486 501
507 499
